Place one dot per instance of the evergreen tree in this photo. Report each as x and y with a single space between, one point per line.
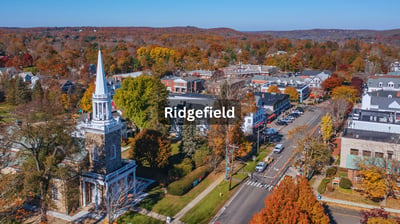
37 92
22 93
189 138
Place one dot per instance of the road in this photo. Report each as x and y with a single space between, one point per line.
249 199
339 215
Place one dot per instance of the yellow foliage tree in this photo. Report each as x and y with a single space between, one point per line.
373 181
326 127
381 220
292 92
86 101
273 89
348 93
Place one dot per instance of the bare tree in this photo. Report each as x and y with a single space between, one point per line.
338 109
122 198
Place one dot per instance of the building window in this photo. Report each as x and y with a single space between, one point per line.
354 152
54 192
379 154
380 84
95 154
390 84
114 152
366 153
390 154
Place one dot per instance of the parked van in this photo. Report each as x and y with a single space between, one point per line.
278 148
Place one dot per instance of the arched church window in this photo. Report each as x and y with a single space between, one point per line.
114 152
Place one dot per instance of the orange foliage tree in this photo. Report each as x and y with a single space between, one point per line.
291 202
273 89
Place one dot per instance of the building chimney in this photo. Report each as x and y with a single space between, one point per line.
398 94
263 95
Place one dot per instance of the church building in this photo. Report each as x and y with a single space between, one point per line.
107 173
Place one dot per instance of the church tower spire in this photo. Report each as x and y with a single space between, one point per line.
101 97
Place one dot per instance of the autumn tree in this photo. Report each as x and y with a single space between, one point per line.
339 108
326 127
332 82
151 148
291 202
377 216
44 139
142 101
348 93
86 101
273 89
292 92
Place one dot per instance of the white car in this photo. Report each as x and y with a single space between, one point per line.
260 167
278 148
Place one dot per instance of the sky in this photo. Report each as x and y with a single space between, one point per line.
250 15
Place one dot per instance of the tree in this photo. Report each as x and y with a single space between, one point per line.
37 92
142 101
86 101
332 82
373 182
151 148
358 65
292 92
291 202
22 93
45 140
338 109
326 127
348 93
189 138
273 89
377 216
122 198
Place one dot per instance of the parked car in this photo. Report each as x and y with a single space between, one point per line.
280 122
295 115
270 131
260 167
278 148
298 112
291 118
287 120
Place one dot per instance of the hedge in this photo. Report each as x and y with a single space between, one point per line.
345 183
182 186
322 185
331 171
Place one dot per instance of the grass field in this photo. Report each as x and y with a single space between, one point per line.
169 205
133 218
5 112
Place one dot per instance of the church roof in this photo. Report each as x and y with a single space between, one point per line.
101 82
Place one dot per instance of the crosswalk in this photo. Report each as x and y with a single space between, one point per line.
258 184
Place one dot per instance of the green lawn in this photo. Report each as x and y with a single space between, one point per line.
133 218
209 206
169 205
349 195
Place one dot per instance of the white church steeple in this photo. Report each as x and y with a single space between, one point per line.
101 101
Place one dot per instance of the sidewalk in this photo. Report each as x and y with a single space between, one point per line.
343 202
189 206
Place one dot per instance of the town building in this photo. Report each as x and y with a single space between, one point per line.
372 134
189 84
384 82
303 89
214 87
269 107
248 70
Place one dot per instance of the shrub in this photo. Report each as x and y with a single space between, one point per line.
331 171
181 170
182 186
322 186
345 183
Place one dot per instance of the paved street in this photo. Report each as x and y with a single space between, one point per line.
249 199
339 215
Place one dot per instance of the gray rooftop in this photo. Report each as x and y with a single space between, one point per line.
371 135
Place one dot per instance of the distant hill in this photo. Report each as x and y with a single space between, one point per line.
334 34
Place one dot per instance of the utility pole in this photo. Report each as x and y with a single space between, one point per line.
258 139
232 151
